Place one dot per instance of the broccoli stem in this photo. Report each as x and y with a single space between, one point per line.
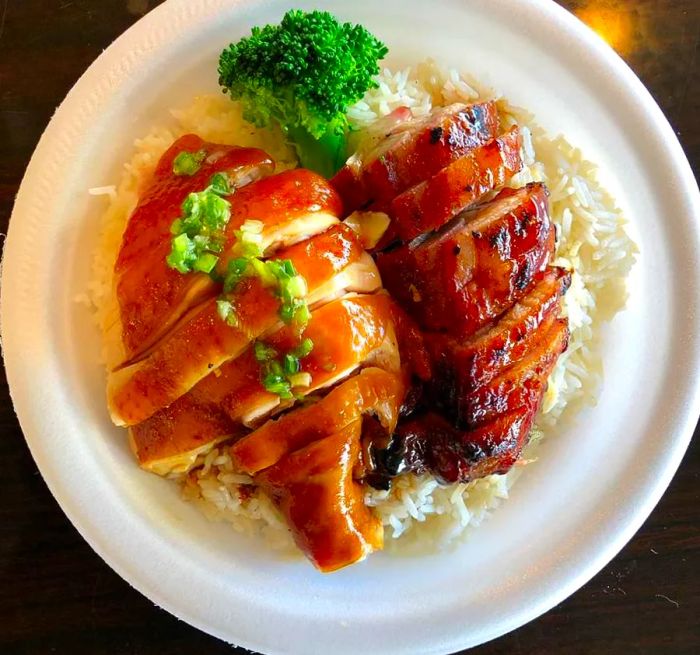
324 155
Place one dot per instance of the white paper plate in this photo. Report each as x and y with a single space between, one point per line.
569 514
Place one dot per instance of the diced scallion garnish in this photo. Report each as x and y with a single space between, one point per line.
304 348
278 274
290 364
205 263
219 184
198 239
198 235
188 163
280 374
263 352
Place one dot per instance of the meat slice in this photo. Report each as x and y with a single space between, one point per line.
461 366
151 295
520 385
460 279
488 391
171 440
406 152
500 417
347 333
332 263
373 391
291 206
322 503
432 203
431 443
161 201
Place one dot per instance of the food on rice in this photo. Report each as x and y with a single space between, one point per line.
476 369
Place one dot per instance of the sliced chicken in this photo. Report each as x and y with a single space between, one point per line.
292 206
171 440
432 203
332 263
460 279
461 366
151 295
347 333
406 152
322 503
354 331
374 391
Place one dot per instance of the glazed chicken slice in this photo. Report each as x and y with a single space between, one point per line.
433 202
291 206
461 366
354 331
332 263
171 440
322 503
288 207
151 295
347 333
400 152
460 279
374 391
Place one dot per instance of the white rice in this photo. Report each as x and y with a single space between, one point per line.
418 512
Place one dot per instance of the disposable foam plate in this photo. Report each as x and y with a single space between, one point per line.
594 483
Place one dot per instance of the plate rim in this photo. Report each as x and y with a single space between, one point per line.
182 16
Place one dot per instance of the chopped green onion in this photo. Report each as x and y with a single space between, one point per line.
302 315
205 263
182 254
304 348
219 184
279 374
248 249
235 272
198 233
291 364
280 387
275 368
252 226
262 270
263 352
287 313
188 163
297 287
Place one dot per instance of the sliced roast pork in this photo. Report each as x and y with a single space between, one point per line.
461 278
402 151
433 202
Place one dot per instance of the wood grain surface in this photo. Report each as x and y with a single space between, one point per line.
57 596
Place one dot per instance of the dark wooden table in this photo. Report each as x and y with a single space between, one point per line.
59 597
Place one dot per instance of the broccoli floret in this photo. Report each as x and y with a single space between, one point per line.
304 73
